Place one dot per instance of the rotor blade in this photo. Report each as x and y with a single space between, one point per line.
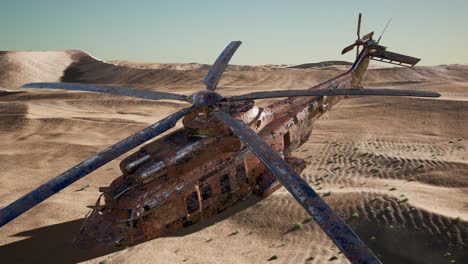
348 48
214 74
77 172
368 36
357 52
126 91
346 240
332 92
359 26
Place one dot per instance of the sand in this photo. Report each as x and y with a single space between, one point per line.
396 169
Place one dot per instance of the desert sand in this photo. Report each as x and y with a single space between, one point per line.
396 169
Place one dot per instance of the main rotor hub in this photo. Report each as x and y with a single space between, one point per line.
205 98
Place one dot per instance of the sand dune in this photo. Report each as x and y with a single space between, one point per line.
20 67
395 168
192 66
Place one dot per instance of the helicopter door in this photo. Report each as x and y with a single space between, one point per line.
242 180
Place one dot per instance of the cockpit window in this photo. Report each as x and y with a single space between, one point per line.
224 183
206 192
192 202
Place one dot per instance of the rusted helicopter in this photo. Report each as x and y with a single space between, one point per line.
227 150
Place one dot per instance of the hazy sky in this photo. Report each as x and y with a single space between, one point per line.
272 31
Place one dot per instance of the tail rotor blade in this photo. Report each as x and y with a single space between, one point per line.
332 92
215 72
63 180
359 26
341 234
117 90
348 48
368 36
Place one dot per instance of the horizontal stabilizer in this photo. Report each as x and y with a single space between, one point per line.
393 58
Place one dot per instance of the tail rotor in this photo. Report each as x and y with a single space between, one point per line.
359 41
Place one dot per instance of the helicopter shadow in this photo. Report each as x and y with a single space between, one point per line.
54 243
50 244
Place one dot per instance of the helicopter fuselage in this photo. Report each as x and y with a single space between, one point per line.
201 170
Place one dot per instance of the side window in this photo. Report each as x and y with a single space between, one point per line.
240 174
259 180
264 181
206 192
286 140
192 202
224 183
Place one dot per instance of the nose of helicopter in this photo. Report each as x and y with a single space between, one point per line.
99 231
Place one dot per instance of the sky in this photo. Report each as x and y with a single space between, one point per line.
272 31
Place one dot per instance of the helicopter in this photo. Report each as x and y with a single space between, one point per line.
228 150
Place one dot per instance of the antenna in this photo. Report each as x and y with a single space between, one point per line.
390 20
